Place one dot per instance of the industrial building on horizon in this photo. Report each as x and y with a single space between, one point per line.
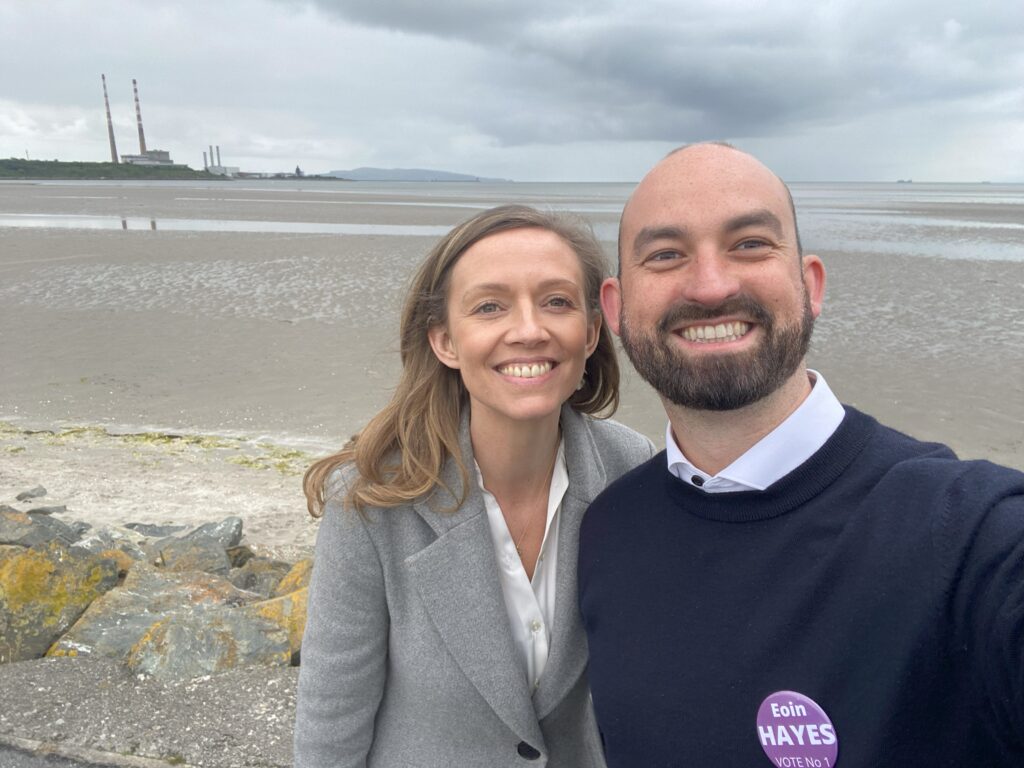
216 168
145 156
159 157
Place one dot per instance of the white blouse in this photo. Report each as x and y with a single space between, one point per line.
530 604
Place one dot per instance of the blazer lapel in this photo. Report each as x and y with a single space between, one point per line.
456 577
567 657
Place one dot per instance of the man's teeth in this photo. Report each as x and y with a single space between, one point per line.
720 332
526 371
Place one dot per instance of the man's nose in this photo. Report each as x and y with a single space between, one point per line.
709 281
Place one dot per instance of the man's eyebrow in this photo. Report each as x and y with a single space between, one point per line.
760 218
648 235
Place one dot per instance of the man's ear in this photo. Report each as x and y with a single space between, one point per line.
814 281
611 302
441 344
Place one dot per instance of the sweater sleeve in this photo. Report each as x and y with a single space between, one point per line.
986 516
344 648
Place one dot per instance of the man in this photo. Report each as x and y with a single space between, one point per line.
790 580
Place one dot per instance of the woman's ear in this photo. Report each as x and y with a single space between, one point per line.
593 333
441 343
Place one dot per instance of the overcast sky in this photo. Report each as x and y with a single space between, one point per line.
546 90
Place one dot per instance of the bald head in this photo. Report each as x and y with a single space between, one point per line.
708 169
714 302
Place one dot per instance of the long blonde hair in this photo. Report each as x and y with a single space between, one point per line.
399 454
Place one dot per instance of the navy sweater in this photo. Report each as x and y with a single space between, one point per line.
883 578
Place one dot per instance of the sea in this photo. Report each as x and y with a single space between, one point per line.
269 308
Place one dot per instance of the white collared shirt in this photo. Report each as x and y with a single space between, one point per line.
776 454
530 604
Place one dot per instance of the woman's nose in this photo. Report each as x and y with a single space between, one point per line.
527 326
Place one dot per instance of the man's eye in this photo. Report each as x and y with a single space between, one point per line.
664 256
752 243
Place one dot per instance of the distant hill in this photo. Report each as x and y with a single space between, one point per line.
404 174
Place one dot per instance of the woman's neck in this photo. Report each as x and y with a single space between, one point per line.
515 458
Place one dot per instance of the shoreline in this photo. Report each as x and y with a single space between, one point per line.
109 479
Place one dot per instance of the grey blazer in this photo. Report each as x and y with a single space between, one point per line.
408 659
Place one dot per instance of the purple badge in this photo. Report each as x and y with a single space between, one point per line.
795 732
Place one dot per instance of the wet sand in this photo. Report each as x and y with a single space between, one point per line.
289 340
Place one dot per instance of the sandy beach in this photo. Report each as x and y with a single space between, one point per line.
160 375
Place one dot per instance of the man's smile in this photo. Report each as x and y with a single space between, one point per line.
732 331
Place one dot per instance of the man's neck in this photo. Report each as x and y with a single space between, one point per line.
712 440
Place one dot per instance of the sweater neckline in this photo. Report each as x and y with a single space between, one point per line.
797 488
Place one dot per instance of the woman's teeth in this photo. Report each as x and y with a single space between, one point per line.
529 371
720 332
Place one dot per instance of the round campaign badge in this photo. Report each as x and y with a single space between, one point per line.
795 732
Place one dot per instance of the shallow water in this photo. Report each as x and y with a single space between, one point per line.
271 308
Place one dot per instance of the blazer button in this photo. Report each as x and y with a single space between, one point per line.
526 751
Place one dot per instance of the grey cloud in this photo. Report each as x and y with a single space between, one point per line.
668 71
471 20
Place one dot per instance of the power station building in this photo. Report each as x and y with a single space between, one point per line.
145 156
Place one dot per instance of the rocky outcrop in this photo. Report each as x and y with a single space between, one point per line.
28 530
298 578
116 622
166 601
261 575
186 645
43 592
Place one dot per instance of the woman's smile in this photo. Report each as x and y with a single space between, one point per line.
519 330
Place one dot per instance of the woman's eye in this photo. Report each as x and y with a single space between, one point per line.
560 302
487 308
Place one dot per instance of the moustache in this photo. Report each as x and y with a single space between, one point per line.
686 311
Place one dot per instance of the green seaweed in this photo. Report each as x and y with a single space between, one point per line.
262 455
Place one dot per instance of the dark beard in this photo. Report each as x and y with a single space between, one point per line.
719 382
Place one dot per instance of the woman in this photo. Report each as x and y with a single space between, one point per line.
443 625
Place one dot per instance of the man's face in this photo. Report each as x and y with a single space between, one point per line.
714 305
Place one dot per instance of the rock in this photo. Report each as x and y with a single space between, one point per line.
297 578
187 646
8 508
31 530
227 533
239 556
193 555
31 493
124 540
54 510
155 531
10 550
288 613
58 528
43 591
125 562
80 527
260 575
119 619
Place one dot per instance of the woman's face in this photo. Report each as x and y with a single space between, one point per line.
518 329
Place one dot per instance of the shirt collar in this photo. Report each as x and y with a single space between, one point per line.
775 455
